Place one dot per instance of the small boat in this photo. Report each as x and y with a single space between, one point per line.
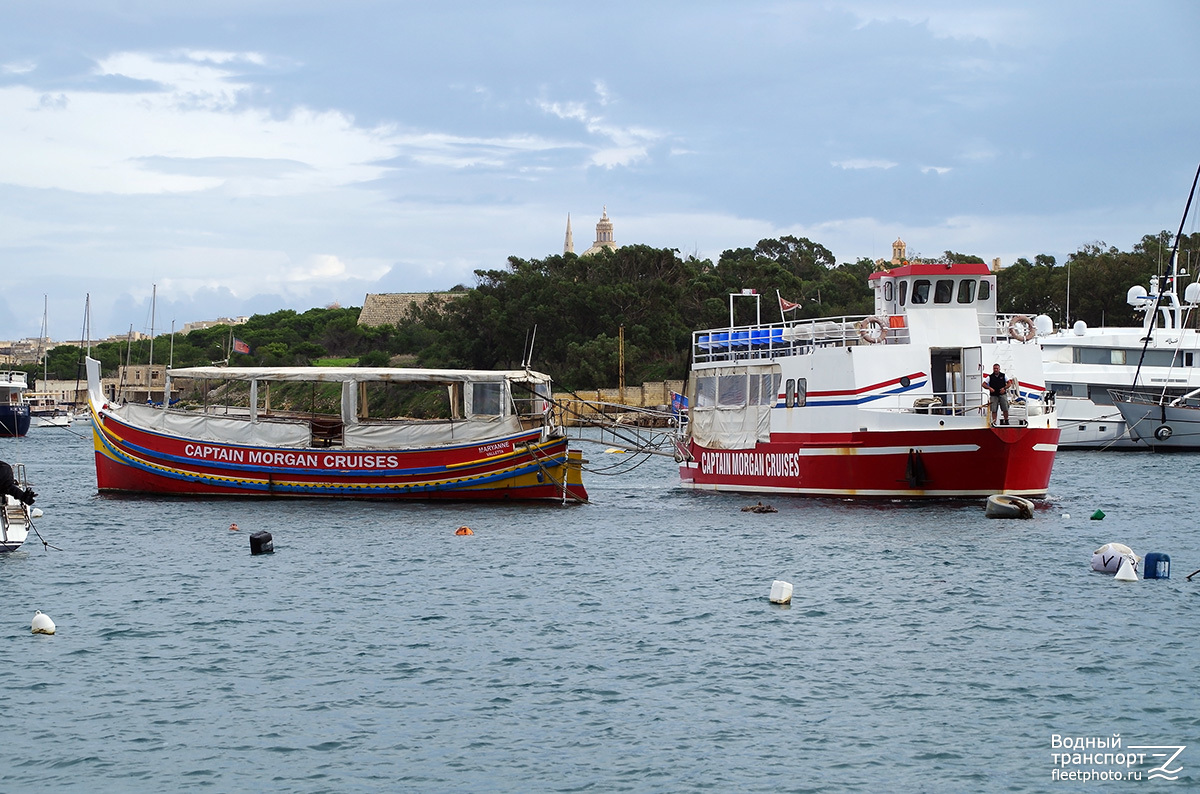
884 406
45 411
15 518
14 412
497 440
1008 506
1161 422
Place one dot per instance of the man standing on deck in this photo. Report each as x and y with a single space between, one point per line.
997 386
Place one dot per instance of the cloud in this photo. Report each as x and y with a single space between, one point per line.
861 163
619 145
187 113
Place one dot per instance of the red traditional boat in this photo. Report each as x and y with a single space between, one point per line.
498 441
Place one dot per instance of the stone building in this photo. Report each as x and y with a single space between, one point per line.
390 308
604 236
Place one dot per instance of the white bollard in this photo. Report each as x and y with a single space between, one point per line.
781 592
42 624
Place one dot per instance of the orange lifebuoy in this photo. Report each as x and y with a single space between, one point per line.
464 531
871 330
1021 328
233 527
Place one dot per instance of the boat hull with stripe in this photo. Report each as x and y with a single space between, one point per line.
135 454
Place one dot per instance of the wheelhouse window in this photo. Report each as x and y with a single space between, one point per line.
985 290
903 292
920 292
943 291
485 399
706 391
888 290
966 290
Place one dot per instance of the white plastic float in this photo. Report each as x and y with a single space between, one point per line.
1003 505
42 624
781 592
1110 557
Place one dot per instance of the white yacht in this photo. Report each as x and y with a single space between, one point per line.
1081 364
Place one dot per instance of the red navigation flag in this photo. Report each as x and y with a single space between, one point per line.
240 347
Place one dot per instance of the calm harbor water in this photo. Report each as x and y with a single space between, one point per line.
627 645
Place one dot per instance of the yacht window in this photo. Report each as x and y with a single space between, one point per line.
731 391
944 290
985 289
1153 358
1187 359
903 291
920 292
887 290
706 391
801 396
789 388
966 290
485 399
1118 357
1099 395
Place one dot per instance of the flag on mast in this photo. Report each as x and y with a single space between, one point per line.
239 346
785 306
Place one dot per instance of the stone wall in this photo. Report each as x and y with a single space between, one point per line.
656 395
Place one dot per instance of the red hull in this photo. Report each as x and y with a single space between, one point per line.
518 467
913 464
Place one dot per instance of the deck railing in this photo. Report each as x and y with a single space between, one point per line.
802 336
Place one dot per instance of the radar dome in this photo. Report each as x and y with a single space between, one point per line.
1080 328
1191 293
1043 324
1136 295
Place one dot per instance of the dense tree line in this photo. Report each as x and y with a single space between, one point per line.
571 310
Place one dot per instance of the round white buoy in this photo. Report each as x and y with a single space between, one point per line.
1066 515
1126 573
1107 558
42 624
36 512
781 592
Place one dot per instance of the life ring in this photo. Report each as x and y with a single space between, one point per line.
871 330
1021 328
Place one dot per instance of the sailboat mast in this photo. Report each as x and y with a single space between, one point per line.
153 299
1170 276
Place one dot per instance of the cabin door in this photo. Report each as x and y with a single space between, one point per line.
972 367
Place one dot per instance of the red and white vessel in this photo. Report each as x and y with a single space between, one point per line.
498 440
886 406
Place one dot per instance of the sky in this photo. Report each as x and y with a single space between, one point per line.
234 158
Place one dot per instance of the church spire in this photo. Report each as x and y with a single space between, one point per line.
569 245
